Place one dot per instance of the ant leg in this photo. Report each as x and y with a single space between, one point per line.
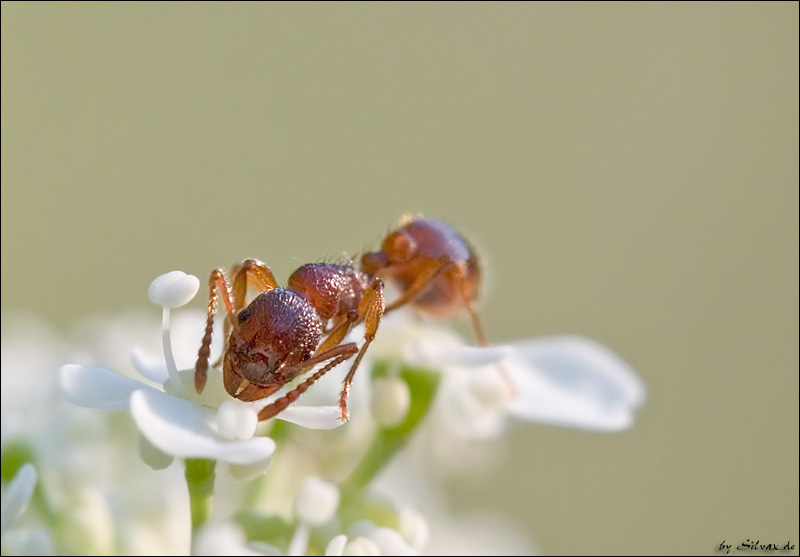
339 354
216 279
469 303
248 392
422 280
480 335
251 272
338 333
370 310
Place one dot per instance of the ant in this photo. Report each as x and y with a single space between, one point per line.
436 270
285 332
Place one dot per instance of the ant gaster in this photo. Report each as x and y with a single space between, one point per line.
279 335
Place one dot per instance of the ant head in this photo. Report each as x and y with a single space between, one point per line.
277 329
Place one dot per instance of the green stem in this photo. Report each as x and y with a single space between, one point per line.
423 384
200 480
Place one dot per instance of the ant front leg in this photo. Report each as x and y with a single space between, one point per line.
215 280
339 353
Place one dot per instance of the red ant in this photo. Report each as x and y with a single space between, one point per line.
279 335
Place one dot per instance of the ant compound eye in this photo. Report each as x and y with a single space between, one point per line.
244 315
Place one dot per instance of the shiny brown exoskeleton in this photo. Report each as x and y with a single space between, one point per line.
435 268
279 335
285 332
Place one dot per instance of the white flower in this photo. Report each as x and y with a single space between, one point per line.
561 380
174 419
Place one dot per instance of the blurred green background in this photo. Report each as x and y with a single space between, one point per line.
628 170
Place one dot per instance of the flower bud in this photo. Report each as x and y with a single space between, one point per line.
361 546
317 501
391 399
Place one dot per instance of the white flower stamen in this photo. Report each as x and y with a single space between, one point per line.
172 290
172 369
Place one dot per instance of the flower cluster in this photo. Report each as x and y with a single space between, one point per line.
300 483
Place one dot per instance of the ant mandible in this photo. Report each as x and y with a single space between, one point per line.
279 335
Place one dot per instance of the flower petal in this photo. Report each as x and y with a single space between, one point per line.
475 404
413 527
19 493
173 289
97 387
335 547
573 381
313 417
182 429
28 541
390 542
155 458
152 368
361 546
298 545
248 472
236 421
430 352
